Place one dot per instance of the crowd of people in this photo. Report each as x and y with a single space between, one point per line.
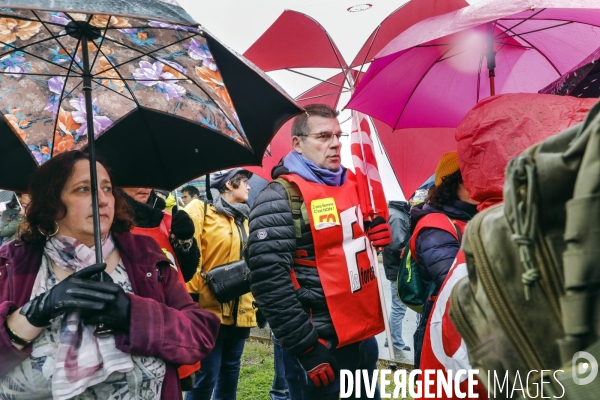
149 321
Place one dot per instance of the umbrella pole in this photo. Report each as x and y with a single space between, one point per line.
101 330
87 91
490 54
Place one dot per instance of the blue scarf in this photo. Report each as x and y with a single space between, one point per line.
306 169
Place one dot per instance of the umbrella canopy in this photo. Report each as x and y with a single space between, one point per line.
297 46
437 70
168 101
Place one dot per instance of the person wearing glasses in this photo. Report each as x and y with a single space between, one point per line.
312 269
221 230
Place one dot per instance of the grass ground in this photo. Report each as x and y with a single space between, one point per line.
256 375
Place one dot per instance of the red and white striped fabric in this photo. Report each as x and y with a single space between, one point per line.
443 348
370 188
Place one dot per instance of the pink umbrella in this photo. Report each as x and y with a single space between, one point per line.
434 72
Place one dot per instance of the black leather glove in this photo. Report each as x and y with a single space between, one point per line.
116 314
76 292
319 365
182 225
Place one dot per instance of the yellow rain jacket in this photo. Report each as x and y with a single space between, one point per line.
170 203
219 241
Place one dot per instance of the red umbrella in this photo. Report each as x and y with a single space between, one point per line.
296 40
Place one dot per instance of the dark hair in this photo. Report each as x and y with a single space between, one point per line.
236 180
46 206
300 124
192 190
447 192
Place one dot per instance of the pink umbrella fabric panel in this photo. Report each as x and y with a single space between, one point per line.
436 82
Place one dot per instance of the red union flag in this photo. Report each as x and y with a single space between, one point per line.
370 188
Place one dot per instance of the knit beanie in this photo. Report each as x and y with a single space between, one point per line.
447 165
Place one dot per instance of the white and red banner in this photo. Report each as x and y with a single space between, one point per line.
370 187
443 348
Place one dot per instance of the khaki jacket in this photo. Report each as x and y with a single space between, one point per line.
219 242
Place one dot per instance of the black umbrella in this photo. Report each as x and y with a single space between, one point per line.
583 80
165 99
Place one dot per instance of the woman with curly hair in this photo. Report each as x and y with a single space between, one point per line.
436 228
52 298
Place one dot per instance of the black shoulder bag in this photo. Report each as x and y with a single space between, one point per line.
232 280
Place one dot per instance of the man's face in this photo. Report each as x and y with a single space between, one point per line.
138 194
186 198
322 151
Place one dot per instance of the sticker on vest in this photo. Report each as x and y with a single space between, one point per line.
324 212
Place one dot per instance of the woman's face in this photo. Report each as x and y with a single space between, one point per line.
240 194
77 198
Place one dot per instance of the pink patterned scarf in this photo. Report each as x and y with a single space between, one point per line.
82 360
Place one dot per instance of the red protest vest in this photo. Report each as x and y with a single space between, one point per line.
161 235
343 258
436 221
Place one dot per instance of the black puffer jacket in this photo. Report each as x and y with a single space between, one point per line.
298 318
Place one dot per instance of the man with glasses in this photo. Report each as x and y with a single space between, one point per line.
312 268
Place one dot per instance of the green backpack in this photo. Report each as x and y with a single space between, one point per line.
531 300
409 286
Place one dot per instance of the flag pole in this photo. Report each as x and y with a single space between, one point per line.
386 323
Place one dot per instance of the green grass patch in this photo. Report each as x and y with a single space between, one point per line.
256 375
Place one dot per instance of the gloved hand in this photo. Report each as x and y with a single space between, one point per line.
76 292
116 314
182 225
379 233
319 365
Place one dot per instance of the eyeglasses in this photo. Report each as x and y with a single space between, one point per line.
326 137
244 181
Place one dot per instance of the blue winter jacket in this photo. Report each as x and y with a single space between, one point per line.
436 248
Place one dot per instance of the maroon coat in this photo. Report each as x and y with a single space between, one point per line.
165 321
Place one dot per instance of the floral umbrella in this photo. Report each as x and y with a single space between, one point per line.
164 93
165 99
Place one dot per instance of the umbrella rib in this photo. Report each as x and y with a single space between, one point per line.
28 74
418 83
344 69
55 37
62 94
145 54
370 47
133 96
534 48
535 30
98 46
321 95
522 21
31 54
99 83
315 78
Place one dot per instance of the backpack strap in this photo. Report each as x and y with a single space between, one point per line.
296 202
435 221
294 196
